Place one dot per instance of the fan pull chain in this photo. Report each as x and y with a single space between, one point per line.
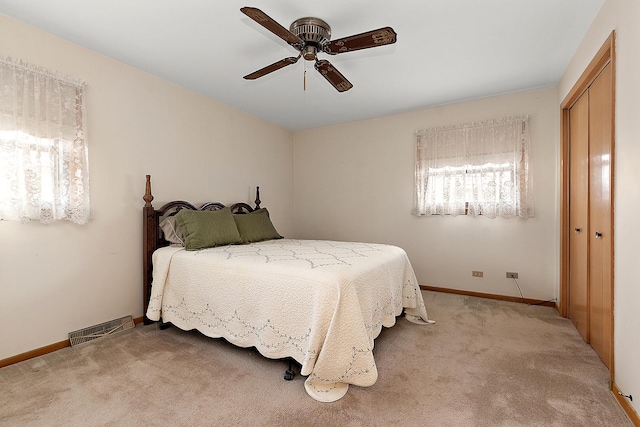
305 80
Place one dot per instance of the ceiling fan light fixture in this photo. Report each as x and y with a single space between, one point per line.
309 52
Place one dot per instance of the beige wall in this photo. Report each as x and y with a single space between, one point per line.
355 182
62 277
623 16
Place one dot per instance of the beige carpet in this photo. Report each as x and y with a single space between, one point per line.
484 363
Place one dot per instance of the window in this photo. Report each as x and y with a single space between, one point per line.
474 169
44 171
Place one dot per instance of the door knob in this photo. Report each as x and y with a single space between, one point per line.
577 230
598 235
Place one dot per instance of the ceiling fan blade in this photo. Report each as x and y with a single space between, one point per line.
332 75
263 19
271 68
379 37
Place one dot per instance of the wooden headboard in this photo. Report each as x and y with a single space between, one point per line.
153 238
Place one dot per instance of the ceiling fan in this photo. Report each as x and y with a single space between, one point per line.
311 36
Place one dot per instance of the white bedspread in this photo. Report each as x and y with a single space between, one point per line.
320 302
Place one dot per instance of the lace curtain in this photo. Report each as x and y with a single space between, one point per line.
44 172
474 169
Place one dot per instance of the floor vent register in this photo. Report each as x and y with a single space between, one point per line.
99 331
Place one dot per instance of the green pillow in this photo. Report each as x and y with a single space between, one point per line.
205 229
256 226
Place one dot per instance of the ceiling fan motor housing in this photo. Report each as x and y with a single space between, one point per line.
314 32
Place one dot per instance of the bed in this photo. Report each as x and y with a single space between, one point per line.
320 303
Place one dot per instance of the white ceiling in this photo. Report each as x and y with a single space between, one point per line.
447 50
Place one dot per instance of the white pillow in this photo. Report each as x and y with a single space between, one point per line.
172 232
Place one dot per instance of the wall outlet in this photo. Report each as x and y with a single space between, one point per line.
511 275
477 273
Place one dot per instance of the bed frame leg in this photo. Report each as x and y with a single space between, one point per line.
162 325
289 374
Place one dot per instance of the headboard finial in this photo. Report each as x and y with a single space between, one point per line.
148 197
258 201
